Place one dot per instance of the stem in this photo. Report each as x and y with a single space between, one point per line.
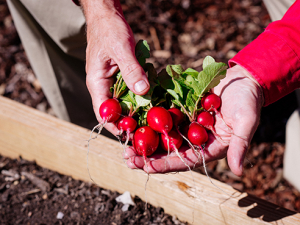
119 81
186 112
115 90
195 109
134 111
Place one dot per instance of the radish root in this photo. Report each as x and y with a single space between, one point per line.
99 127
204 166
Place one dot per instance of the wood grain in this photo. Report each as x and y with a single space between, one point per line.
62 147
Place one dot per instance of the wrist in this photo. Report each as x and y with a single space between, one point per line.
95 10
241 70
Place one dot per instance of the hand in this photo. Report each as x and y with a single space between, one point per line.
242 101
111 46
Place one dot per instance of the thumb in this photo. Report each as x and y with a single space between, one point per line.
239 143
236 154
132 73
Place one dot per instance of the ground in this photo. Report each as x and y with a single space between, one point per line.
179 32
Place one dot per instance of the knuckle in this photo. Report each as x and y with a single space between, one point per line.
131 70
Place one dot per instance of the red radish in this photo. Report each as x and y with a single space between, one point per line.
177 116
110 110
160 120
145 141
184 129
175 140
127 124
197 134
211 102
206 119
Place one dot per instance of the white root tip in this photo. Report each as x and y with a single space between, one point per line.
147 168
99 127
204 166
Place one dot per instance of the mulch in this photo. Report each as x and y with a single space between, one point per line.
179 32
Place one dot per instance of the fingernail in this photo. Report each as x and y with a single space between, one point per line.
140 86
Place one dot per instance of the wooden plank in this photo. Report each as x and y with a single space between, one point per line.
62 146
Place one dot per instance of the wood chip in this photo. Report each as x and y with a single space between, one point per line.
33 191
154 38
162 54
43 185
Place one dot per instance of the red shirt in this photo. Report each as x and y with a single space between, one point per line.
273 58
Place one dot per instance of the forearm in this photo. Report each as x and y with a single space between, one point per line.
273 59
98 12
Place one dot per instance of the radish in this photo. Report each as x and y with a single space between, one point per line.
211 102
197 134
127 124
206 119
110 110
160 120
177 116
145 142
175 140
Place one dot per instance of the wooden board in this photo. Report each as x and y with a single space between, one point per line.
62 147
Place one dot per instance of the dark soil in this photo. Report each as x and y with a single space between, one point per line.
179 32
30 194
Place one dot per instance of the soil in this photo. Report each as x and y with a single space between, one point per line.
30 194
179 32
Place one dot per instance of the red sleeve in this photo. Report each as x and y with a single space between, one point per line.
273 58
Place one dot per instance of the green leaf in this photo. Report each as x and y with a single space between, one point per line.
174 70
173 93
211 76
129 97
143 100
207 61
142 51
152 87
126 106
152 74
178 88
176 102
190 102
191 72
173 88
194 84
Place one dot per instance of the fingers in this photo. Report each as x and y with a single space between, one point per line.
162 163
132 73
99 91
239 144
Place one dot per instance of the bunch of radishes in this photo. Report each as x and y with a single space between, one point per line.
179 106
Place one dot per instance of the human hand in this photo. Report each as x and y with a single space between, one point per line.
111 46
242 101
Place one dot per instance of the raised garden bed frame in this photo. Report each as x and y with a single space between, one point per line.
62 147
